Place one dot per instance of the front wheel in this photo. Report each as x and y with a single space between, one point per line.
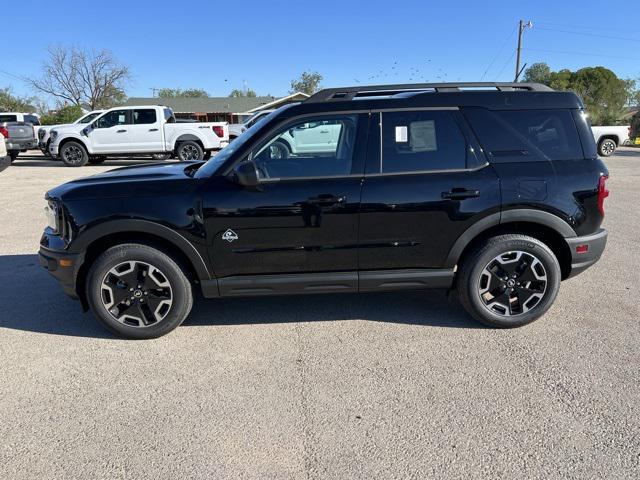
13 154
138 292
606 147
509 281
188 151
73 154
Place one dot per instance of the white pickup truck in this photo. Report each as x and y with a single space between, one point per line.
136 130
608 138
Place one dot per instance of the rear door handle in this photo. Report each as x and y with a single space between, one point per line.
121 131
460 194
153 129
327 199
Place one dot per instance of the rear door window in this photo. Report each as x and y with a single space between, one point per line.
416 141
521 135
144 116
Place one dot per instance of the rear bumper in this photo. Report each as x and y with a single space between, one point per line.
594 243
4 162
65 275
16 144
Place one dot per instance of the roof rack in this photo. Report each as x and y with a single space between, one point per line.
349 93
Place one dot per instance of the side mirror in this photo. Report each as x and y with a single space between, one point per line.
87 130
246 174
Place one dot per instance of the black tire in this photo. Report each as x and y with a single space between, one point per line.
474 276
279 150
101 285
13 154
606 147
161 156
207 155
97 160
188 151
73 154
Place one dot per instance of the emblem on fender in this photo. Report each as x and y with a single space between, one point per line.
230 235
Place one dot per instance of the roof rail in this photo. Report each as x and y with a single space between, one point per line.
349 93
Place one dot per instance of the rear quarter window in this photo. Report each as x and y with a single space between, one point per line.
8 118
526 135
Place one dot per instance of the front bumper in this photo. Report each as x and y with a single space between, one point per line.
63 267
13 144
592 244
42 146
53 150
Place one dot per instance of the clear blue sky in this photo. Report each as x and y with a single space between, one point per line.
217 45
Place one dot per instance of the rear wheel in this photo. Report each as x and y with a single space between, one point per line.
509 281
606 147
279 150
137 291
161 156
188 151
13 154
73 154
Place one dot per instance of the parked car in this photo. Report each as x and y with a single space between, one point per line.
44 131
608 138
237 129
5 159
495 192
19 136
136 131
31 118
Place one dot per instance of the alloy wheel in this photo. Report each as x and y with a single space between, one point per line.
73 154
608 147
512 283
136 293
189 152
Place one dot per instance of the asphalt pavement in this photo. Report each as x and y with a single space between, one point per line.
374 386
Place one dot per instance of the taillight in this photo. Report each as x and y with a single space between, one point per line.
4 132
218 130
602 192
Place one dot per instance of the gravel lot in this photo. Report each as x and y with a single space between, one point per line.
335 386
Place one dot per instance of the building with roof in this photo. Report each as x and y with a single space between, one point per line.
217 109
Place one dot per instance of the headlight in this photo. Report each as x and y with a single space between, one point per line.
51 212
53 134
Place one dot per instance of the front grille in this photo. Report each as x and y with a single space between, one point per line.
41 134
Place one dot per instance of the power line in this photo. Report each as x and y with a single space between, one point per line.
505 65
588 34
499 52
589 27
565 52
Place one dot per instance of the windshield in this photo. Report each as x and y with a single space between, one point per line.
223 155
89 117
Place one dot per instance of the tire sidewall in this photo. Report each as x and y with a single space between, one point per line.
283 148
83 161
180 286
536 248
183 145
601 147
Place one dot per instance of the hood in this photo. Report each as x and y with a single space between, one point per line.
66 127
146 180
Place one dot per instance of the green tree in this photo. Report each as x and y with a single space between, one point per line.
12 103
242 93
66 114
604 94
308 82
179 92
538 73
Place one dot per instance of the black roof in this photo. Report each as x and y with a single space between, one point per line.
494 96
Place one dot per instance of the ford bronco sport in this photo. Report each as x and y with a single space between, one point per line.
494 190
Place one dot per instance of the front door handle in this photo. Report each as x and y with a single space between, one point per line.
153 129
121 131
460 194
327 199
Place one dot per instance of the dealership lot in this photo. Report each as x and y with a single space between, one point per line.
398 385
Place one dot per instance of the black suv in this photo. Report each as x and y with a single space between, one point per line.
492 189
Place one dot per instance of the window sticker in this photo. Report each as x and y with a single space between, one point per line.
401 134
423 136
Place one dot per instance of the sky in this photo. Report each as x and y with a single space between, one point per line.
219 46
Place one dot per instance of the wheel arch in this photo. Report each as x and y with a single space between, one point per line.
112 233
609 136
188 137
64 141
544 226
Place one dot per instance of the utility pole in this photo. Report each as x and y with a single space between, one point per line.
521 27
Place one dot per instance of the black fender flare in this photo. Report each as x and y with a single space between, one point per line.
144 226
187 137
518 215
